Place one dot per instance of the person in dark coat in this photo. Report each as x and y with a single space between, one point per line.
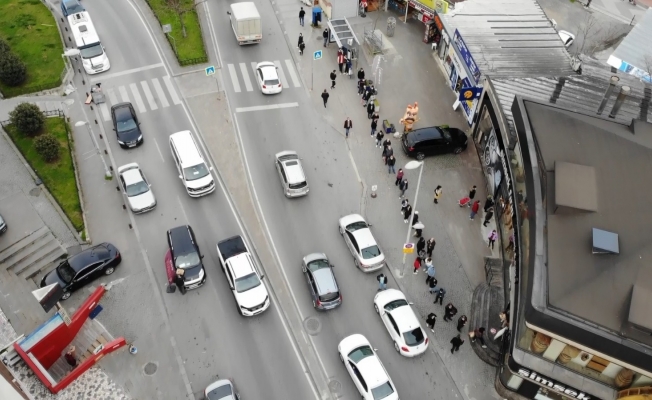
379 137
421 245
432 285
461 323
472 195
450 311
302 14
370 109
348 125
430 321
388 152
404 204
302 47
440 296
325 35
387 143
415 217
300 40
487 216
478 334
324 96
430 246
488 203
179 280
374 125
360 86
403 186
333 76
406 213
361 75
456 342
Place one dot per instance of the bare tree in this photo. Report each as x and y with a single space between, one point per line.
594 36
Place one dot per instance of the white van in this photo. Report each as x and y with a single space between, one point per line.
91 50
194 172
246 24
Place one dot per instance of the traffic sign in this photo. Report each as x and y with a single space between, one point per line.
408 248
210 70
317 55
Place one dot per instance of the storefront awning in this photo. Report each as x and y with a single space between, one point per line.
341 31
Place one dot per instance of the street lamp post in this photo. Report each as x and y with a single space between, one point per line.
107 172
412 165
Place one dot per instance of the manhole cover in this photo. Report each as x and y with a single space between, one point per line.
313 326
335 387
150 368
35 192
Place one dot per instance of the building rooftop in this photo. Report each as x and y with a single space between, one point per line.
510 38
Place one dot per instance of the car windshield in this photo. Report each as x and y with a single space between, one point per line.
91 51
392 305
356 225
65 271
382 391
246 282
446 134
318 264
360 353
73 7
271 82
195 172
219 393
413 337
370 252
187 260
137 188
126 125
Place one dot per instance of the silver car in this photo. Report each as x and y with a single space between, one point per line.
321 281
136 188
224 389
293 180
364 248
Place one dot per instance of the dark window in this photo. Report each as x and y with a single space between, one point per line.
353 242
413 337
329 296
391 320
282 169
359 376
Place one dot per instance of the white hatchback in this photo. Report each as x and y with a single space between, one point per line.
136 188
357 236
267 77
366 370
402 324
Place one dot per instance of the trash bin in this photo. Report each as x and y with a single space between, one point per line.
391 24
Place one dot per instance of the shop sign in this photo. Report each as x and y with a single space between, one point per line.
441 6
466 55
423 8
470 93
545 381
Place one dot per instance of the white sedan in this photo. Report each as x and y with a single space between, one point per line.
567 38
402 324
136 188
357 236
267 77
366 370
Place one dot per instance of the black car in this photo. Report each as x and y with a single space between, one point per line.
126 125
186 255
434 140
83 267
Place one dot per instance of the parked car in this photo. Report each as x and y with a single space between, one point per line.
137 189
321 281
267 77
126 125
3 225
290 171
366 370
84 267
186 255
223 389
567 38
357 236
401 322
434 140
69 7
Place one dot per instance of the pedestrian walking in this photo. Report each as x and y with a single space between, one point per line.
379 137
418 229
461 323
421 245
417 265
438 192
433 286
487 216
360 86
387 143
439 296
404 204
492 239
325 35
348 124
430 246
375 117
388 152
302 14
340 60
324 96
478 334
488 203
406 213
390 165
403 186
371 107
450 312
302 47
348 67
399 176
430 321
179 280
361 75
430 271
333 76
374 125
382 281
472 194
456 342
474 209
300 40
70 356
415 218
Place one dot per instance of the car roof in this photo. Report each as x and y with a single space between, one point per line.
364 238
325 281
405 318
351 218
269 70
294 172
187 148
87 256
181 240
132 176
372 371
418 135
352 342
314 256
241 265
122 111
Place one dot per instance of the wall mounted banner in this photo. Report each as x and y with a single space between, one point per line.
466 56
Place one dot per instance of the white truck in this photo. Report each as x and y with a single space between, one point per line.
246 24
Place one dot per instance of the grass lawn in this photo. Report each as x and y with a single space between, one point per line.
31 31
192 45
59 176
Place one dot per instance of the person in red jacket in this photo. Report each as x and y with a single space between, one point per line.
341 60
474 209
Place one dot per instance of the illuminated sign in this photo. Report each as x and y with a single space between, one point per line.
545 381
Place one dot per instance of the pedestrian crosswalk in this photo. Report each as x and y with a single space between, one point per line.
155 96
240 73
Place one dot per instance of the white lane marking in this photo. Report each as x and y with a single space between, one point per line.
160 93
253 67
149 96
293 74
159 150
137 98
281 74
267 107
112 97
173 93
123 94
234 78
104 77
105 112
245 77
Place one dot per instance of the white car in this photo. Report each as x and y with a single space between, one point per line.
267 77
357 236
136 188
290 171
246 285
402 324
223 389
567 38
366 370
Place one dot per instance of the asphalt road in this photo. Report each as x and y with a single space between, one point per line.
211 337
301 226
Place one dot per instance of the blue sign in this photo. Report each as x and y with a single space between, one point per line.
470 93
210 70
466 56
317 55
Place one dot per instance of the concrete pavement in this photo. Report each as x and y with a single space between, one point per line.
621 10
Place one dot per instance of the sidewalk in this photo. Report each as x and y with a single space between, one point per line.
410 74
621 10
